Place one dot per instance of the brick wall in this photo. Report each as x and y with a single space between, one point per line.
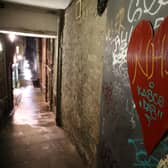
83 50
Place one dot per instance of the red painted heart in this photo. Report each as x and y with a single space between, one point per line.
147 59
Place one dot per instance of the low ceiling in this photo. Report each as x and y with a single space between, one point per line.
50 4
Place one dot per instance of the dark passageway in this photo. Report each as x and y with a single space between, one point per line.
31 139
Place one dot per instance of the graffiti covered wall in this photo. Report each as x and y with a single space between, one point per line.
121 137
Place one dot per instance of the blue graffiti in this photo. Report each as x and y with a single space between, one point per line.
141 157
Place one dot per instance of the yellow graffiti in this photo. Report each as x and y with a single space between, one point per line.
118 26
145 71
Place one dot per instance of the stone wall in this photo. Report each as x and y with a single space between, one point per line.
83 50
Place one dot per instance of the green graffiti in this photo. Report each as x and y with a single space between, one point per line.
151 102
151 85
150 96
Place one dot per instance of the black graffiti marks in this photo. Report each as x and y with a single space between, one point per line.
107 92
106 155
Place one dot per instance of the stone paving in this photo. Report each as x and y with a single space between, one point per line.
31 138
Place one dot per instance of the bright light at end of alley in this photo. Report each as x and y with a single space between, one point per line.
19 57
1 48
12 37
17 49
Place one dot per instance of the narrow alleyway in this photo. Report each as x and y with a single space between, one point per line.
31 139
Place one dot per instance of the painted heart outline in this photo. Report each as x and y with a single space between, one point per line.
147 60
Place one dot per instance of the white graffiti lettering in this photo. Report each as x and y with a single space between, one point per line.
150 10
163 2
157 22
136 9
137 14
119 46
